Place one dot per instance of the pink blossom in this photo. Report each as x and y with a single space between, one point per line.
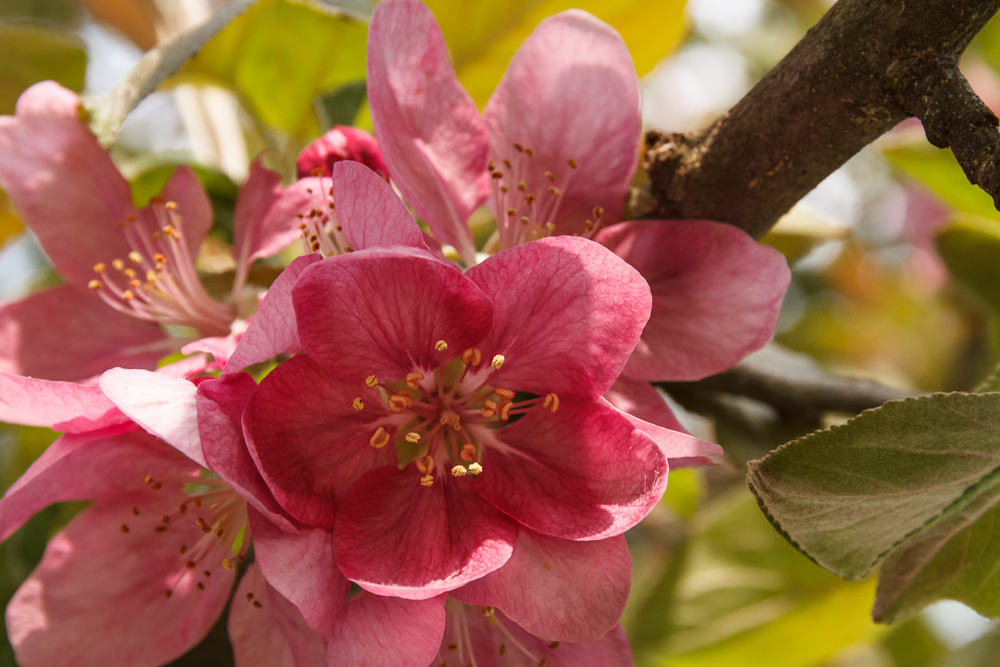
339 144
127 270
553 153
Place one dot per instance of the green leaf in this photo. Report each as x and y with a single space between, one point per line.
30 54
938 169
341 105
279 56
970 247
10 224
849 496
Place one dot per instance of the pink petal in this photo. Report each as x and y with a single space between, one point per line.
193 207
396 537
273 633
383 311
33 402
377 630
220 347
98 596
427 126
581 473
48 98
681 449
62 334
165 406
569 93
339 144
273 329
369 210
567 314
308 440
716 295
63 184
577 589
641 399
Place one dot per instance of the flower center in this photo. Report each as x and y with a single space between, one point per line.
157 280
219 513
321 231
458 644
441 417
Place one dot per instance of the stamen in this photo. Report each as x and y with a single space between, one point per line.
475 469
505 410
380 439
99 267
95 284
498 361
425 465
358 404
413 379
135 257
458 471
440 346
468 452
472 356
412 437
371 380
551 402
426 480
572 163
504 394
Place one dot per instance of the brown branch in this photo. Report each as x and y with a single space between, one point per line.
867 65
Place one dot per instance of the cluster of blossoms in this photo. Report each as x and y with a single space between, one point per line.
441 468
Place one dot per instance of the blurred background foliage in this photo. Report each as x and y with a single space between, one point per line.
896 263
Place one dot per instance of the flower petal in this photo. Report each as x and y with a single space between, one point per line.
383 311
716 295
558 589
370 212
308 440
582 473
339 144
273 633
396 537
193 207
380 630
681 449
428 128
34 402
641 399
34 339
48 98
567 314
569 93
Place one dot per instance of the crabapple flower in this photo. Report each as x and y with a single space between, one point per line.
339 144
127 270
554 153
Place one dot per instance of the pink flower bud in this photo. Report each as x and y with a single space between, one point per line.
341 143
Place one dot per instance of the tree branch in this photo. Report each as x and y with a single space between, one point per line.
867 65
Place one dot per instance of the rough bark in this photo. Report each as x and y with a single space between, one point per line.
867 65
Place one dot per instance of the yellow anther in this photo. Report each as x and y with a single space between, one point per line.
518 147
504 394
118 264
99 267
498 361
598 211
550 226
497 174
151 276
440 346
503 189
525 220
487 412
425 465
487 611
129 273
413 379
380 438
490 166
456 422
135 257
475 469
358 404
413 437
554 645
426 480
529 152
572 163
507 163
551 402
94 284
400 401
227 563
588 224
553 190
458 471
135 283
522 186
505 410
468 452
127 295
170 206
550 176
371 380
511 212
158 257
529 198
472 356
124 528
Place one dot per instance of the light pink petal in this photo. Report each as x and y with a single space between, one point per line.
99 595
273 329
300 565
577 589
383 312
716 295
220 347
220 404
369 210
63 185
396 537
99 464
570 93
62 334
641 399
165 406
193 206
567 314
308 440
267 630
581 473
48 98
681 449
34 402
380 630
427 126
339 144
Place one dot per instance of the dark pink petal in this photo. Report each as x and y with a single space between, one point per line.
383 312
267 630
63 184
581 473
641 399
99 595
34 402
339 144
378 630
396 537
427 126
308 440
193 206
163 405
681 449
569 93
273 329
716 295
369 210
559 589
34 339
567 314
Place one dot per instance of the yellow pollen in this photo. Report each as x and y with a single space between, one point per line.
135 283
518 147
135 257
118 264
200 586
589 224
317 171
124 528
397 403
458 471
127 295
529 198
426 480
551 402
380 439
504 394
190 564
550 176
498 361
572 163
475 469
507 163
440 346
99 267
425 465
413 437
371 380
257 605
129 273
522 186
554 190
151 276
170 206
503 189
598 211
227 563
487 611
490 166
525 219
468 452
472 356
529 152
94 284
497 174
505 410
158 257
511 212
413 379
358 404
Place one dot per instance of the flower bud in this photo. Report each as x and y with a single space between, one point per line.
341 143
